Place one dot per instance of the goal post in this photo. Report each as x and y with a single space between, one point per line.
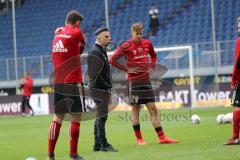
190 61
179 52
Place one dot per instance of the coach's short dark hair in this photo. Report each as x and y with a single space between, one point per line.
73 17
100 30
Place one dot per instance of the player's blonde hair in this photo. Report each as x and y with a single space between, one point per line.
137 27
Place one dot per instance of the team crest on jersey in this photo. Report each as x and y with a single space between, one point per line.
140 49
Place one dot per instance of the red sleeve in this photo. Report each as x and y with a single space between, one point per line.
82 41
120 52
153 56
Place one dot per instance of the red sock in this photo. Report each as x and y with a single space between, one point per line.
236 121
159 132
138 134
53 136
74 135
137 131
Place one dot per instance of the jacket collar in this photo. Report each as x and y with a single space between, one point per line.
100 46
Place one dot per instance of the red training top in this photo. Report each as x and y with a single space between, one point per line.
67 47
137 63
27 86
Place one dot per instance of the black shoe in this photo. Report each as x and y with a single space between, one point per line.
76 157
50 157
108 148
96 148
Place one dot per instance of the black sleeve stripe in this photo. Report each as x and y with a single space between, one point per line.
238 63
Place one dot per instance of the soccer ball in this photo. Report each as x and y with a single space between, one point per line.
31 158
195 119
229 117
221 118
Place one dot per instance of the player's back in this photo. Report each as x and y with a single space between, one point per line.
66 46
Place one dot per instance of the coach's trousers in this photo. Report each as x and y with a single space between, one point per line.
99 131
101 99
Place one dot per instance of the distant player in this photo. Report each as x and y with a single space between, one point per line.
26 85
236 93
138 65
67 47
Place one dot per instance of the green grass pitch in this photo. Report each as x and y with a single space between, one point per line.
22 137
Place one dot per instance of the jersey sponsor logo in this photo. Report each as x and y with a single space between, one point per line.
59 47
134 52
64 35
140 49
141 56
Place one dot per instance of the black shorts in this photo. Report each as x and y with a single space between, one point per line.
236 97
25 99
69 98
140 92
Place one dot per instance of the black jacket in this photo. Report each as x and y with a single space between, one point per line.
99 70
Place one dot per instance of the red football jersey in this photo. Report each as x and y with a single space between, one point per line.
137 58
236 68
27 86
67 47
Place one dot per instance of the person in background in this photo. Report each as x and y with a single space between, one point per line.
153 21
26 85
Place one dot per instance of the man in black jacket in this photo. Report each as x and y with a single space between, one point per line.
100 87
